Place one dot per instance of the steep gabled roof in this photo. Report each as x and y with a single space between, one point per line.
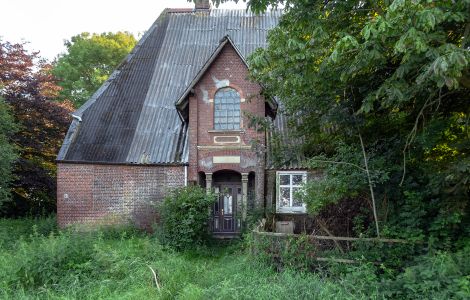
132 118
182 101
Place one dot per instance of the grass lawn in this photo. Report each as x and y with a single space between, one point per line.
39 262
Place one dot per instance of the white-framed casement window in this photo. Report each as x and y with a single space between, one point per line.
289 186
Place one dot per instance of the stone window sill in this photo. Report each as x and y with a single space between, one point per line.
292 211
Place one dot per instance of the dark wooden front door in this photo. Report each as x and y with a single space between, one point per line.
227 209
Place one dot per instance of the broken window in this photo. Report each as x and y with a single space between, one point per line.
226 109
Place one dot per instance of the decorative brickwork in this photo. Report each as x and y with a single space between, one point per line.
97 193
227 70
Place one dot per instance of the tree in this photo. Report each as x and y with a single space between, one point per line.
7 151
383 83
88 62
30 90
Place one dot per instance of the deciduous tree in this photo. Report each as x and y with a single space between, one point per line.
7 151
88 62
392 76
30 89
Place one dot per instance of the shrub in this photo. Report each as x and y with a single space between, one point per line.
184 218
443 275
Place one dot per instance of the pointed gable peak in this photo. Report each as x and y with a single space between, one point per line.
226 40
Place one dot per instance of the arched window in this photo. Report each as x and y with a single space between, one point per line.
226 109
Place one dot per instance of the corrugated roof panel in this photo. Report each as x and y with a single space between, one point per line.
133 119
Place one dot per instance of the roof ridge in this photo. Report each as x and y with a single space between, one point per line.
134 120
179 10
79 111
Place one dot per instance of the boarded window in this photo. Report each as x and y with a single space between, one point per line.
227 109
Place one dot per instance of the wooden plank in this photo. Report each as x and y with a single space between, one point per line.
334 238
338 260
340 238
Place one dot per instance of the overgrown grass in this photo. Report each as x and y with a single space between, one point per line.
39 262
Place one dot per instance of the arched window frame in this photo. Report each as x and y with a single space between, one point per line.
227 110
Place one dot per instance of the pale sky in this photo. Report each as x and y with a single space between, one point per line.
45 24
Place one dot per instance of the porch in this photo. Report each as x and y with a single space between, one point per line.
235 198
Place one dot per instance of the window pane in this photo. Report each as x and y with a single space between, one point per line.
296 201
284 179
226 105
297 179
284 197
228 203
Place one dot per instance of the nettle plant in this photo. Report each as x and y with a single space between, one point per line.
184 218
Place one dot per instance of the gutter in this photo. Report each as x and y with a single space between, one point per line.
186 175
170 164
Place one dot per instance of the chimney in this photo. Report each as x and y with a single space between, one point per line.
202 4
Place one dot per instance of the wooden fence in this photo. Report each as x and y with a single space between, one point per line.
321 248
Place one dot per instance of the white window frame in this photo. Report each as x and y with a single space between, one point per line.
289 209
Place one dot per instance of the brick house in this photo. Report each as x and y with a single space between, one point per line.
175 113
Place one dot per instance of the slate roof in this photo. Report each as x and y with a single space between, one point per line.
132 118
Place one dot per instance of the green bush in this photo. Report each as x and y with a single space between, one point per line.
184 216
295 253
443 275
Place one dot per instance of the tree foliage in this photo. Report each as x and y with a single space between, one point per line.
88 62
7 150
395 73
29 88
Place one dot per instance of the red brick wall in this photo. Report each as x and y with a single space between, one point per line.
227 70
93 193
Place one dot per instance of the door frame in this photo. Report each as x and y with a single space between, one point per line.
221 223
